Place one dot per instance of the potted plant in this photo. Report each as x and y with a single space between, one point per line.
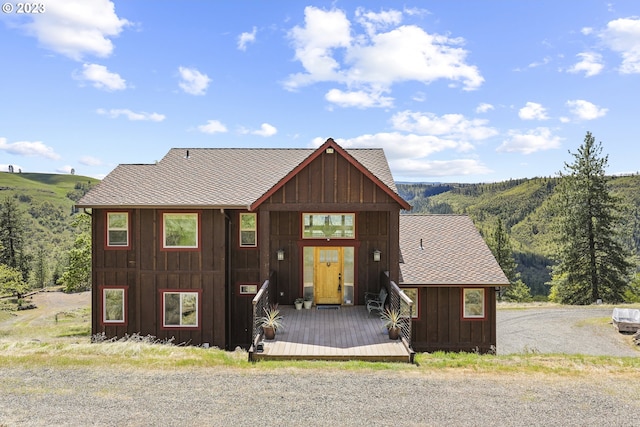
298 303
392 321
270 322
307 302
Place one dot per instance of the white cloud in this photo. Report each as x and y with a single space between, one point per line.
623 36
591 64
101 77
585 110
586 30
246 38
213 126
193 81
360 99
131 115
451 126
373 22
265 130
484 107
90 161
538 139
330 50
533 111
76 28
409 168
28 148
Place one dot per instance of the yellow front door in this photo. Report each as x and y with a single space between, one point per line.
328 275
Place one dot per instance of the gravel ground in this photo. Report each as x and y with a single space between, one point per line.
561 329
289 397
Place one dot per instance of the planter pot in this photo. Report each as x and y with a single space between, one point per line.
307 304
298 305
269 332
394 333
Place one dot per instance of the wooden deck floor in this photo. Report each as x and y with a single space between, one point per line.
346 333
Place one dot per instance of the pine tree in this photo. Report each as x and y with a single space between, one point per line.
592 264
500 245
11 237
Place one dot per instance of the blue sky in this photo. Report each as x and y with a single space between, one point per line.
454 91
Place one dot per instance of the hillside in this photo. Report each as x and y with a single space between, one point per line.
522 205
46 203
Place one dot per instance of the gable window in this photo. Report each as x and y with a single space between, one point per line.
328 226
114 305
248 230
117 229
180 230
180 309
473 303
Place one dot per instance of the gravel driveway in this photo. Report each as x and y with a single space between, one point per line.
561 329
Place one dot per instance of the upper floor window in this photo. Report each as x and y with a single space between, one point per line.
248 230
328 226
180 230
118 229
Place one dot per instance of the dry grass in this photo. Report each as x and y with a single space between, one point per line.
62 339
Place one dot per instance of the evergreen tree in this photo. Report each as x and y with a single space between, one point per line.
500 245
592 263
40 272
11 237
77 274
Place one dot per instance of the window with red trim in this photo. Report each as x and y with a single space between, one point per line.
114 305
180 309
473 303
180 230
117 230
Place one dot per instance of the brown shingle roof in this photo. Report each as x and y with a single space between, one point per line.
452 253
212 177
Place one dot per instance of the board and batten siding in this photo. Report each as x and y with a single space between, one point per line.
146 269
442 328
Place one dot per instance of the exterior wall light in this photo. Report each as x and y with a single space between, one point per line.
376 255
280 254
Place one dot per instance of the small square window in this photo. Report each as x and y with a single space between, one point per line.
180 230
473 303
248 230
117 229
180 309
114 305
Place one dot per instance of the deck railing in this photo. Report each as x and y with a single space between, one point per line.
260 302
398 300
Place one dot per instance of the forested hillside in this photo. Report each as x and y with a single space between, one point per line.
523 207
44 205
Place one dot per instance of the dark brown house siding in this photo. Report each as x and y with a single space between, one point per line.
442 328
146 270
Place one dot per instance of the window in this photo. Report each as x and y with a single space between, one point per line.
246 289
248 230
180 309
118 229
328 226
180 230
114 307
473 303
412 293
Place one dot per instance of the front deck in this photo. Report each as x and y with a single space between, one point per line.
324 333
